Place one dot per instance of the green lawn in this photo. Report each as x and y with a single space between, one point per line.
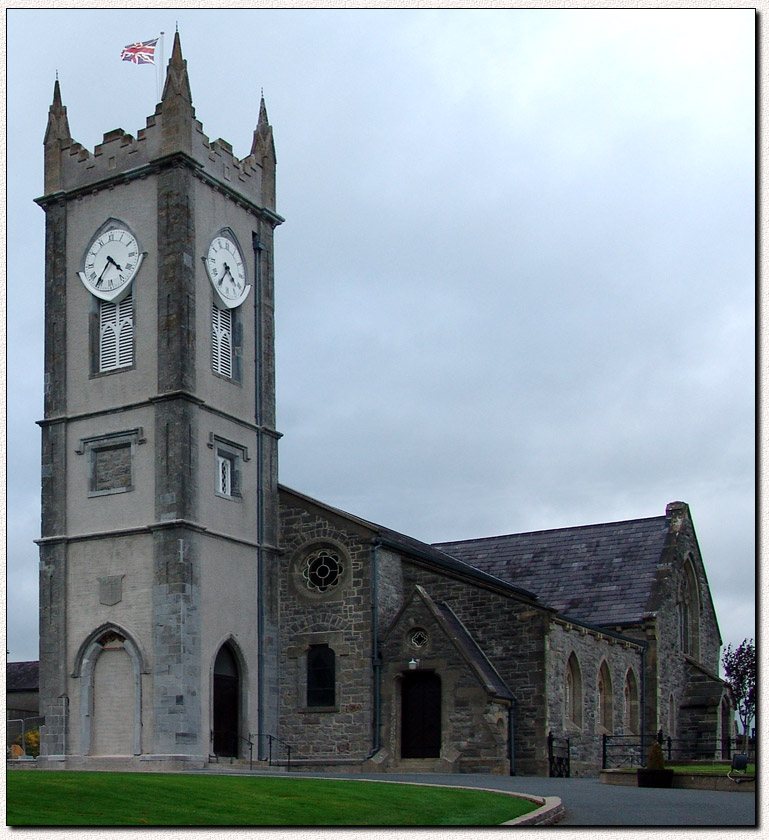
43 798
710 768
702 768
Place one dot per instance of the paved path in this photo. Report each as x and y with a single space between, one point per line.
588 802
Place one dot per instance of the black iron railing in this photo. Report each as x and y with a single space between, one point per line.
628 750
275 751
700 748
619 751
558 756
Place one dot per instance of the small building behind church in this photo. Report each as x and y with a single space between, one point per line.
193 610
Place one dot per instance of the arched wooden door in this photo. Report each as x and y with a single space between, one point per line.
421 715
226 703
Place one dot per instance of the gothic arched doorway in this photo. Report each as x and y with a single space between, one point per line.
112 727
110 665
421 715
226 702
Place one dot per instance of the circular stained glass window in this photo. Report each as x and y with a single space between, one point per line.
322 570
418 638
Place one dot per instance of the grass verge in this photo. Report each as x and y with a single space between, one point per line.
709 768
45 798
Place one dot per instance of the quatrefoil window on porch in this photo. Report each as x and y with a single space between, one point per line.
418 638
322 570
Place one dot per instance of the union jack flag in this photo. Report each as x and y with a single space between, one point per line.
142 52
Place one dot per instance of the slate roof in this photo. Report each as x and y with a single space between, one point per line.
601 574
414 547
22 676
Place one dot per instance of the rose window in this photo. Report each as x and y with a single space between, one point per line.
322 571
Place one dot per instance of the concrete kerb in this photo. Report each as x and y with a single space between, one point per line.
550 809
549 813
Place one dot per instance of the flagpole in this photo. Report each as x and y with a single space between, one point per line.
159 67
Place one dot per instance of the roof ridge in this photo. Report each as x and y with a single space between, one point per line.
413 545
551 530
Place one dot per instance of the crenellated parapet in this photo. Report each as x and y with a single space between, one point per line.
172 132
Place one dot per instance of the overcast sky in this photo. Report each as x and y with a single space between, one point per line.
515 285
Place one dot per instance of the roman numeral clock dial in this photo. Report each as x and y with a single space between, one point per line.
227 269
111 261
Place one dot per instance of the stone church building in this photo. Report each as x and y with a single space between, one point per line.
189 604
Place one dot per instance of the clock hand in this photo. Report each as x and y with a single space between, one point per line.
97 284
226 272
109 259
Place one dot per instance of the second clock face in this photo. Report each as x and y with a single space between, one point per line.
226 269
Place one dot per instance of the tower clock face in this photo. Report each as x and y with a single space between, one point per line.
111 262
227 269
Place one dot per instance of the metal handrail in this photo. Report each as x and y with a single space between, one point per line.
250 751
270 739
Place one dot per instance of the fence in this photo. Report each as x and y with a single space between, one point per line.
22 737
701 748
630 751
620 751
558 756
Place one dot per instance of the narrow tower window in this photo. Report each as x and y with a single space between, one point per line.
224 475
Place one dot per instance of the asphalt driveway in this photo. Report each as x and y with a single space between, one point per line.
588 802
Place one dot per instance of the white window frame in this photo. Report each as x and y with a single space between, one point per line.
228 456
224 474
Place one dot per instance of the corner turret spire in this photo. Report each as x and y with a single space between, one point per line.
58 125
57 138
177 81
263 154
177 113
263 143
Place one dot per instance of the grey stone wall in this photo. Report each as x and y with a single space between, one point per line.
390 592
511 633
53 647
176 348
474 724
591 649
112 467
176 643
341 618
667 669
53 555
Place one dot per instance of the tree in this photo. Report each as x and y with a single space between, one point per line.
740 673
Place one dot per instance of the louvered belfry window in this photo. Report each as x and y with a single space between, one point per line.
116 334
221 341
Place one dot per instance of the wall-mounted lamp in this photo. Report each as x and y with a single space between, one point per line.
413 664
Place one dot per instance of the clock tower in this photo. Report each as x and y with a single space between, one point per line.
158 602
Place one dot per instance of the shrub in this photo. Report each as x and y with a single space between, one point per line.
655 760
32 738
31 742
